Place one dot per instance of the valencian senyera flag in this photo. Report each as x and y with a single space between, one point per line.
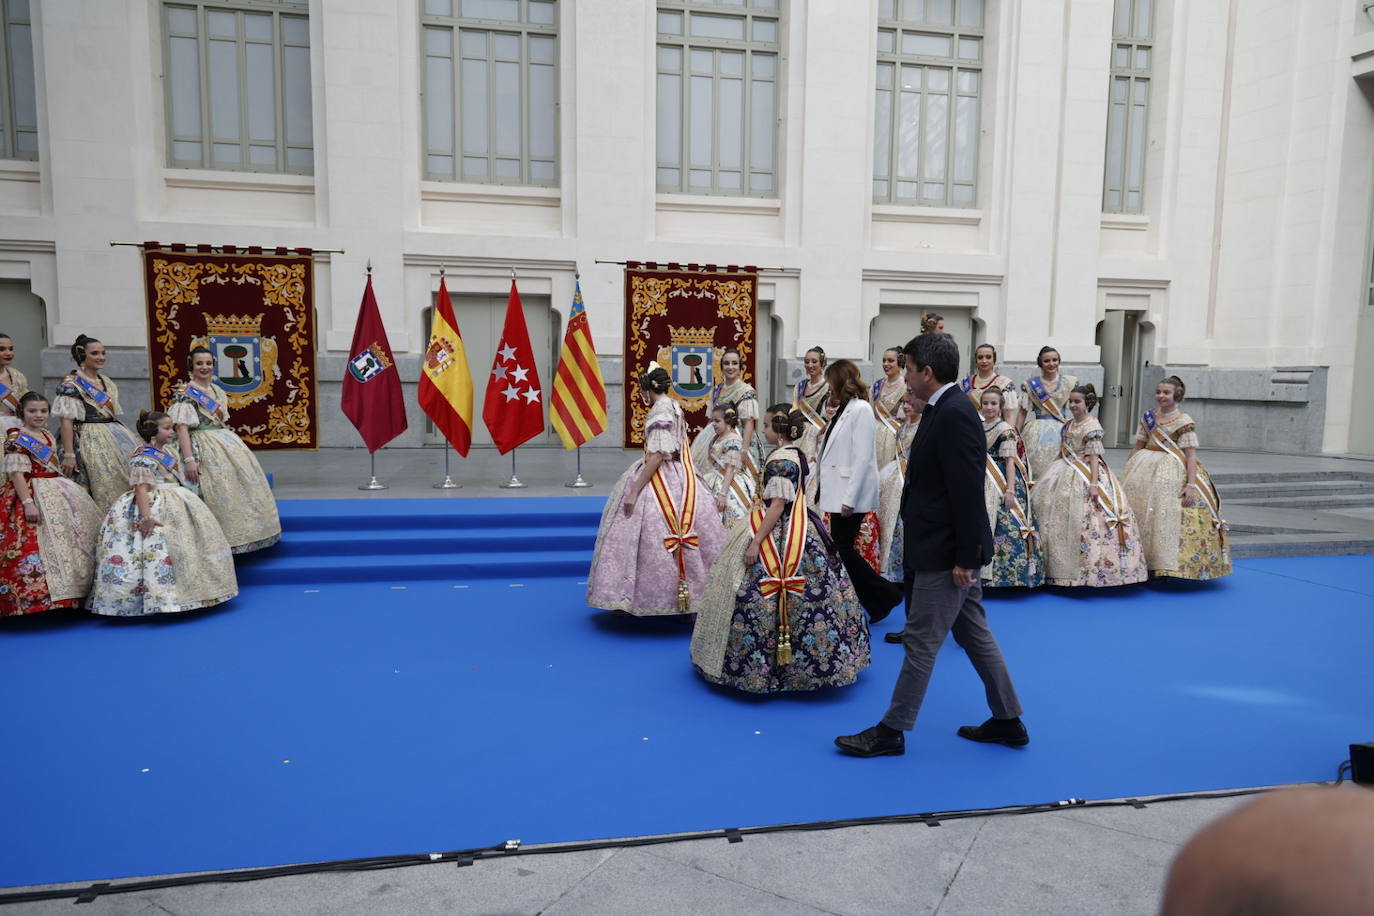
372 398
514 406
445 381
577 408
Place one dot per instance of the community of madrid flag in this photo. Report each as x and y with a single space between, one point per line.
577 407
513 409
445 382
372 388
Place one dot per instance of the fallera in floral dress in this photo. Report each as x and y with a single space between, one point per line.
1017 558
736 638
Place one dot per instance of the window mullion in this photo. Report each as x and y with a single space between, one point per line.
241 78
8 121
279 81
685 141
207 142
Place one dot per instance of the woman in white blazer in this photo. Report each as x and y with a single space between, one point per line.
848 482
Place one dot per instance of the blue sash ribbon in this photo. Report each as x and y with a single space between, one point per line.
7 394
36 447
966 384
1149 420
204 400
95 395
158 455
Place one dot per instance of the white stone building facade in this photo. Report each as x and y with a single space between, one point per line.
1206 209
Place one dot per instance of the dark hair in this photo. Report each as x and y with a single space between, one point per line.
1179 389
30 396
147 423
790 426
78 350
728 414
929 321
901 357
6 336
781 407
1089 394
195 351
1041 355
936 350
656 380
845 383
819 351
734 351
993 389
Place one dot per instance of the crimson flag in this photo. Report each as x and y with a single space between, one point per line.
514 408
372 387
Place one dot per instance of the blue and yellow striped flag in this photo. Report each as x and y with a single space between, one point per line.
577 409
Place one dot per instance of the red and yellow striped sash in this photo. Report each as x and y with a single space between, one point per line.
782 570
681 535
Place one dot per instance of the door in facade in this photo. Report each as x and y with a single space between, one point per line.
1118 337
480 319
26 322
764 341
897 324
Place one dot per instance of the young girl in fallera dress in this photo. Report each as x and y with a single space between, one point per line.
736 393
1181 528
1017 559
813 393
95 445
13 386
1087 530
47 544
660 529
161 550
231 481
731 486
779 612
1044 411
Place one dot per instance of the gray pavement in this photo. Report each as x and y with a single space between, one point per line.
1088 861
1074 861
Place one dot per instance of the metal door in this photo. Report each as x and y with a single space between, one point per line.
1118 337
897 324
25 321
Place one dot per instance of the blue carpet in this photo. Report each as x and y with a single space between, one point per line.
340 720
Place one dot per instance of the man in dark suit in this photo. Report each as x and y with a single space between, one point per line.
946 541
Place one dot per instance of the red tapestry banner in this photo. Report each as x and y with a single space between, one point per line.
684 318
255 312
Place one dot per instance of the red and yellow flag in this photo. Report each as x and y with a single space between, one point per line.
445 381
577 410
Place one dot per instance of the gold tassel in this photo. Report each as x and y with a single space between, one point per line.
784 655
684 596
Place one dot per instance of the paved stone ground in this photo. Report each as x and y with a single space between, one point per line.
1073 861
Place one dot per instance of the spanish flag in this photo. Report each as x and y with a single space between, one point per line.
577 409
445 382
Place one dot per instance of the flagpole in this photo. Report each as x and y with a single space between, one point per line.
448 483
514 482
578 482
373 483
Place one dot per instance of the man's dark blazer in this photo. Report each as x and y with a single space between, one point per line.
944 519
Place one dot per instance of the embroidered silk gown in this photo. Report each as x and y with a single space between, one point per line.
1087 539
1017 558
50 564
735 639
18 386
633 569
1041 433
888 410
814 398
726 452
1185 542
103 444
891 479
182 565
232 483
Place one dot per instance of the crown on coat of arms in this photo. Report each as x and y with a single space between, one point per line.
692 337
233 325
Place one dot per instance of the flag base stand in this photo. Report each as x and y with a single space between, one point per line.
514 482
448 483
372 482
577 482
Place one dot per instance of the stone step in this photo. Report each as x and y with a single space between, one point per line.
1318 502
1292 487
1286 546
1255 477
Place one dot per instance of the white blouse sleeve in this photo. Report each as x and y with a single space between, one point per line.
65 407
659 437
17 461
780 488
748 409
139 474
1188 439
183 414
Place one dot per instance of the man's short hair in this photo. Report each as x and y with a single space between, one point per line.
938 351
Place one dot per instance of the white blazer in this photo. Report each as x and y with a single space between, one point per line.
848 470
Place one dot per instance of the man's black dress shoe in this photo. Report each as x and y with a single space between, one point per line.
894 637
997 731
872 742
